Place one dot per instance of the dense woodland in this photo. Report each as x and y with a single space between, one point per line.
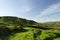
14 28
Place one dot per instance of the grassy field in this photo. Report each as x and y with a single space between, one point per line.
14 28
34 34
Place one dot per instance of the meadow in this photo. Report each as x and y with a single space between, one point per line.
13 28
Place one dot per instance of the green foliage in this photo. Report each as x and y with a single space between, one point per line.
14 28
57 39
22 36
48 35
12 22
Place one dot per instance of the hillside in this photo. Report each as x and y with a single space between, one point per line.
15 22
14 28
54 22
12 22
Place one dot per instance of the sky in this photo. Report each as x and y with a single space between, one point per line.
37 10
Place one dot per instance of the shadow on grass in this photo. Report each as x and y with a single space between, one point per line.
53 37
6 32
37 34
44 28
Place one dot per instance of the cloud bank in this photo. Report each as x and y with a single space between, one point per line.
14 8
52 9
24 6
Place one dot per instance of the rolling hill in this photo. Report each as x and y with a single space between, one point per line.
14 28
54 22
12 22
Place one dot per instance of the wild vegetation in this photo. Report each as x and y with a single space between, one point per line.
14 28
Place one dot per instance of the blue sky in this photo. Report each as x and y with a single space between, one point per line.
37 10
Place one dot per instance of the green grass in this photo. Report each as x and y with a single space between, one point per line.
49 35
22 36
57 39
36 34
16 29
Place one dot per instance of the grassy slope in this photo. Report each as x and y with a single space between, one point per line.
36 34
29 33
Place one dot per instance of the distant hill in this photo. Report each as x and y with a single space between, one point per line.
15 28
16 22
11 22
54 22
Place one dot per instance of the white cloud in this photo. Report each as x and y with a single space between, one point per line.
7 13
24 9
47 19
25 6
20 8
50 10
